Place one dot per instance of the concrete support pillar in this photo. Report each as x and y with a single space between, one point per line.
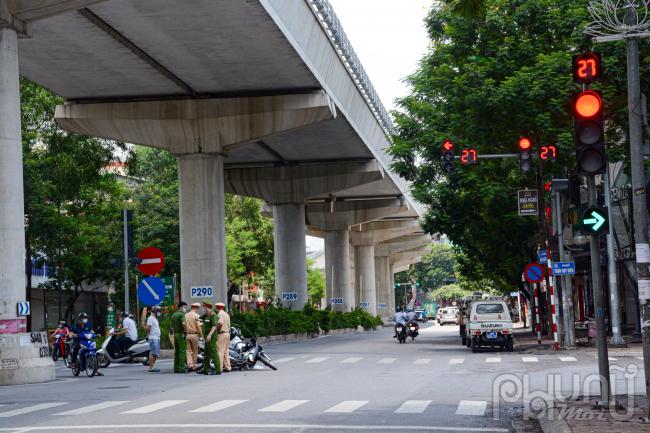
337 269
364 266
202 225
382 283
12 216
290 257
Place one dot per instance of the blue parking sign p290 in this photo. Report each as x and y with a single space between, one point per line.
201 291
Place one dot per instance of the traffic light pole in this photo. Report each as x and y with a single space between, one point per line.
639 195
612 278
599 304
125 220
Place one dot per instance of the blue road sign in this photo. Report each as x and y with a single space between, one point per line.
534 273
23 308
542 256
564 268
151 291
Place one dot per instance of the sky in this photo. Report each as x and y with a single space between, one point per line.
390 39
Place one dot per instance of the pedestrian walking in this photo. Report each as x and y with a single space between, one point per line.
223 339
194 331
178 326
152 327
210 333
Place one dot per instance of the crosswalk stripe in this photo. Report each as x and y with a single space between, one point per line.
92 408
493 360
29 409
613 359
351 360
423 361
472 408
529 359
220 405
156 406
281 360
456 361
386 360
413 406
347 406
639 357
283 406
316 360
567 359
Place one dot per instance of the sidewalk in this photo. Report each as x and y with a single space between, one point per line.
583 417
526 342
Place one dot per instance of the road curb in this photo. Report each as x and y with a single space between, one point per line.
549 425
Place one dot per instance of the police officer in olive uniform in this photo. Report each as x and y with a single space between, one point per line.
210 334
180 343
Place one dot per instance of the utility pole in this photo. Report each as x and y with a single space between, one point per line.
125 221
639 194
567 286
599 305
614 301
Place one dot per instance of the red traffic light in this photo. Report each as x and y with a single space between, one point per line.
524 144
447 146
587 104
586 67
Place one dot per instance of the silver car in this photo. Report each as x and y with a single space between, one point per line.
448 315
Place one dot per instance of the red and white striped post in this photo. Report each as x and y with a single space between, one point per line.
538 324
551 280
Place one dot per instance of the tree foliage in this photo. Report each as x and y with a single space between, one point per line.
489 79
435 269
72 205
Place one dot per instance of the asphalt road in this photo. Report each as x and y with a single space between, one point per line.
344 383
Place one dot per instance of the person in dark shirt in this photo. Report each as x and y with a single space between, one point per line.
78 329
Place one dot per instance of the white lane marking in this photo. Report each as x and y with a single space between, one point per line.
423 361
530 359
413 406
472 408
347 406
92 408
351 360
493 360
386 360
29 409
156 406
221 427
639 357
613 359
283 406
220 405
567 359
281 360
453 361
316 360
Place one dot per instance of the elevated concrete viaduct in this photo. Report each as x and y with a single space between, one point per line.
263 98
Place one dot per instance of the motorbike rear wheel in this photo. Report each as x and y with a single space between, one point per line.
91 366
266 361
55 353
102 360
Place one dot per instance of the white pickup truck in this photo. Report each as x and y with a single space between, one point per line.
490 325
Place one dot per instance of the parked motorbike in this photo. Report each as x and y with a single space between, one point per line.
413 330
109 351
86 356
242 354
400 332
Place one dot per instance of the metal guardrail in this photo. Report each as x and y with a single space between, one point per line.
333 28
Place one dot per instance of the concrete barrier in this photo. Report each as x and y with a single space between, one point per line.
25 358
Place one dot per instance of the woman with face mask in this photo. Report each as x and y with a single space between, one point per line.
81 326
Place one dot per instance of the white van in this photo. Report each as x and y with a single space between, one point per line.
490 325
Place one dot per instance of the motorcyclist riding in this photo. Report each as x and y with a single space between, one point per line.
80 327
399 316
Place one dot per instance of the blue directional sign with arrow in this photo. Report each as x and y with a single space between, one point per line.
594 220
151 291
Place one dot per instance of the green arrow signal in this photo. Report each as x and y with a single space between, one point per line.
597 220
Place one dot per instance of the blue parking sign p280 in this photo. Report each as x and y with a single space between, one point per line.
201 292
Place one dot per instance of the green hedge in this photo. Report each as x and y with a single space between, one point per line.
279 321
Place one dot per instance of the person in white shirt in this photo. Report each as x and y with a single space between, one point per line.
153 334
128 334
410 316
